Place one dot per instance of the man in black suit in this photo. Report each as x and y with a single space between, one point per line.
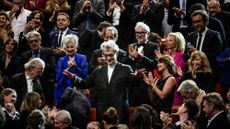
213 106
141 56
97 59
91 40
47 55
214 9
204 39
29 81
110 82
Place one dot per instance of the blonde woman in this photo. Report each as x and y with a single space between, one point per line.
200 71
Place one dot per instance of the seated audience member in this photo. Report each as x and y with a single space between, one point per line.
34 23
77 105
18 15
72 62
162 91
187 113
213 106
91 40
154 37
199 70
110 119
223 61
31 101
29 80
96 59
36 120
228 108
93 125
88 14
10 62
63 120
189 90
8 98
141 118
5 29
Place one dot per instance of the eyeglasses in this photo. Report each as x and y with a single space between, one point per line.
108 55
141 33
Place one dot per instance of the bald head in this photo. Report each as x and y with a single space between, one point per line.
214 7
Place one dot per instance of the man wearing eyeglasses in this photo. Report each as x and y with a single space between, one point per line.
141 56
110 83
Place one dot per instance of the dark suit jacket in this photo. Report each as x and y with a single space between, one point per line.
212 44
113 94
19 83
54 37
219 122
175 20
24 46
139 91
98 53
88 42
48 77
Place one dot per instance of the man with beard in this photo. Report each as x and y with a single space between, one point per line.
18 16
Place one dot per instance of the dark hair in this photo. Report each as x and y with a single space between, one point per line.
192 108
103 25
215 99
4 93
141 118
15 44
203 13
31 16
63 13
36 120
168 60
196 6
110 116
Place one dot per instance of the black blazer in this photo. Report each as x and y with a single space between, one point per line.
19 83
219 122
212 44
113 94
98 53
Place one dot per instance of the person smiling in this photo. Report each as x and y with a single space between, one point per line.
72 62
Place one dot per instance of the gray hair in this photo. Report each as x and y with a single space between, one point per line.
142 25
64 116
70 39
179 40
189 86
114 31
34 63
110 44
32 34
214 99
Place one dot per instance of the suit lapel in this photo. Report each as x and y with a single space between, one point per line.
105 73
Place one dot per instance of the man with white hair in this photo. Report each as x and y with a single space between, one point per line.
110 83
63 120
141 56
28 80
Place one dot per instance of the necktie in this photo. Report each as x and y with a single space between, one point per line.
36 84
199 41
60 39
